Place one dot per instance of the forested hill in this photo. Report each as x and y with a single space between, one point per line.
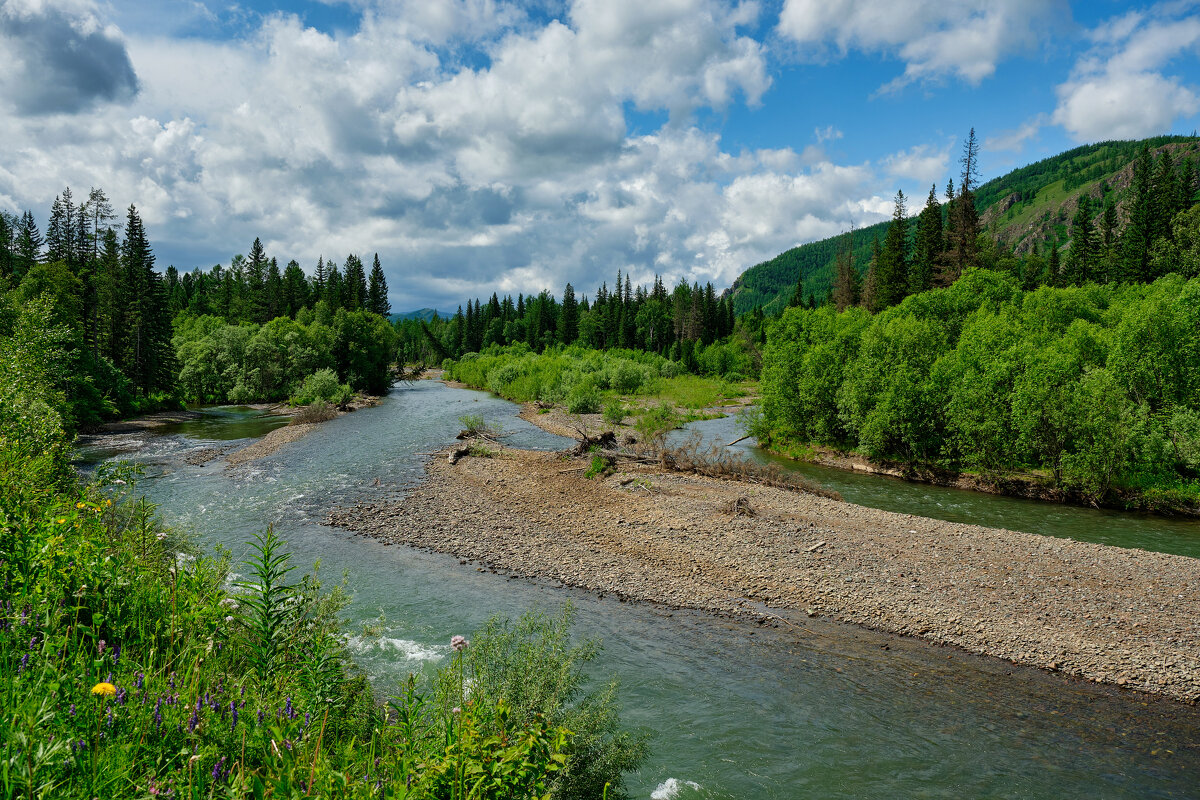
1031 207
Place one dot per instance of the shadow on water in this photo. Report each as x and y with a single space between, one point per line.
1179 535
814 709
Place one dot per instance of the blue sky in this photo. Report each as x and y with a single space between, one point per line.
481 145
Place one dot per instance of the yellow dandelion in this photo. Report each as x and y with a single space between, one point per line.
61 521
108 502
79 505
104 689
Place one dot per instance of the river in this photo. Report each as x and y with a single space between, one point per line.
736 711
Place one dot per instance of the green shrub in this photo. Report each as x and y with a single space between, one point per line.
322 385
614 412
584 399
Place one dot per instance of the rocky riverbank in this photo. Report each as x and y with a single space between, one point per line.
1112 615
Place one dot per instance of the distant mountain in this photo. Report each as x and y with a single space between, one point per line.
421 313
1029 207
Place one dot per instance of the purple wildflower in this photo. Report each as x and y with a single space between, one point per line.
233 709
24 663
101 648
459 643
141 680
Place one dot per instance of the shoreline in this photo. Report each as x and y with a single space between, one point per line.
1098 613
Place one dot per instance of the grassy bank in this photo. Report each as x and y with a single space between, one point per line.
588 381
131 666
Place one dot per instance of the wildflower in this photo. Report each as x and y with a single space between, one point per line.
233 713
101 648
61 521
459 643
217 772
24 663
79 505
104 689
160 536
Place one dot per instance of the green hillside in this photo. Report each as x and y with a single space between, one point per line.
1026 208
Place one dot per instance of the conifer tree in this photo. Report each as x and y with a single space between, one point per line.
927 249
8 250
334 288
1165 194
568 326
354 279
797 298
1187 185
1054 266
377 291
273 301
845 281
256 282
295 289
1135 240
1080 266
965 219
892 266
28 246
870 292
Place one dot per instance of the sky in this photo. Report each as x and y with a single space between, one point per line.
482 145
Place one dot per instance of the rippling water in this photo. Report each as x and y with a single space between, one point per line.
821 710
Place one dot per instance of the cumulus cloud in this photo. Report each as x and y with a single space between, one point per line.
514 172
61 58
922 163
934 38
1118 90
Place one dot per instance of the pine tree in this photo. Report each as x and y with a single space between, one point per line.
295 289
892 266
568 326
927 249
320 277
377 291
256 282
335 296
112 304
1054 266
1108 268
148 357
1164 202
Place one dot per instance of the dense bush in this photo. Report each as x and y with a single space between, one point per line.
1097 387
219 362
323 386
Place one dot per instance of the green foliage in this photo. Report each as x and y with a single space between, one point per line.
599 468
656 422
534 666
127 669
322 385
584 398
614 412
1096 388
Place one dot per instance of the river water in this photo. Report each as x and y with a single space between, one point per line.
735 711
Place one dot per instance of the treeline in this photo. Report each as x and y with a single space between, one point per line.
673 324
141 339
248 332
253 289
1131 241
104 290
1096 388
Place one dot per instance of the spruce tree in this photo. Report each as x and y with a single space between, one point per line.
334 288
1135 240
8 249
845 281
1080 266
1054 266
965 219
1187 185
1164 202
354 278
273 301
29 246
870 292
892 267
377 291
797 298
568 326
256 282
295 289
927 249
